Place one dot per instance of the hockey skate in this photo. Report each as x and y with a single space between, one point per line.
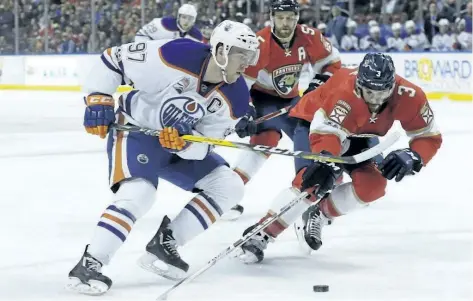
86 277
162 257
308 229
234 213
252 251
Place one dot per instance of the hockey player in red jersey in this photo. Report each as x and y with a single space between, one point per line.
352 105
290 56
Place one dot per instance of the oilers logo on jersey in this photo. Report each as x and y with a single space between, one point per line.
180 109
286 77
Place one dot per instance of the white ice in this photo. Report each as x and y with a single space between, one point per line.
414 244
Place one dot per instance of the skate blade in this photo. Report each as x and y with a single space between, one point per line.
303 246
92 288
150 263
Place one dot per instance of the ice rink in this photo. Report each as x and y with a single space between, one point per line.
414 244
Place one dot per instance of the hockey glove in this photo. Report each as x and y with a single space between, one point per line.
99 114
320 176
400 163
246 126
317 81
170 137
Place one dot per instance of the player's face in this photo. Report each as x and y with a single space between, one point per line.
238 60
375 99
284 23
186 22
397 33
443 29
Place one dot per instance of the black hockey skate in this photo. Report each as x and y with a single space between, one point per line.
309 229
162 257
252 251
234 213
86 277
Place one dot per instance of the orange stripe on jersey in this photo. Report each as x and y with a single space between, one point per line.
206 210
174 66
118 221
118 173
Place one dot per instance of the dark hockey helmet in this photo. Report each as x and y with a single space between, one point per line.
375 79
284 5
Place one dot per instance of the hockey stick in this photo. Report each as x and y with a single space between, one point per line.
374 151
236 245
363 156
269 116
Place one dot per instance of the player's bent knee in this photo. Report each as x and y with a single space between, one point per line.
268 138
223 185
369 184
136 196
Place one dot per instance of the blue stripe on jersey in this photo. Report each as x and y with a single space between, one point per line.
128 102
110 66
197 215
122 211
113 230
212 203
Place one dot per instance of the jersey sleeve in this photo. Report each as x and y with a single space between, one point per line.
147 32
419 123
324 57
331 118
133 64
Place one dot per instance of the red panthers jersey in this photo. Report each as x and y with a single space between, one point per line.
336 111
279 70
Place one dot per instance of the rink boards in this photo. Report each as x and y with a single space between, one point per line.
440 74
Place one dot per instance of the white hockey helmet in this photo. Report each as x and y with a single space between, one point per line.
234 34
187 9
396 26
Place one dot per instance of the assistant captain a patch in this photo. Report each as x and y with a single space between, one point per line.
286 77
340 111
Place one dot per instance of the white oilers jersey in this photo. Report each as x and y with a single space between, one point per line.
464 39
168 88
442 42
349 42
417 41
396 43
166 29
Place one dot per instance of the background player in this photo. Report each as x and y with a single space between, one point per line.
178 84
290 53
340 114
172 28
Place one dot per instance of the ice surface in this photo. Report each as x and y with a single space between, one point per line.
415 244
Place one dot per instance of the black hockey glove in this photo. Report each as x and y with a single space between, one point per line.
400 163
318 174
246 126
317 81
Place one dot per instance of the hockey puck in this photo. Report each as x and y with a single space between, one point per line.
320 288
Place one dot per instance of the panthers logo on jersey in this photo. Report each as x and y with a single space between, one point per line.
286 77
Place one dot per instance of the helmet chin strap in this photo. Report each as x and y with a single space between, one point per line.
223 66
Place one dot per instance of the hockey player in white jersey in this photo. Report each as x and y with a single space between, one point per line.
172 28
181 87
396 43
462 38
443 41
415 40
349 40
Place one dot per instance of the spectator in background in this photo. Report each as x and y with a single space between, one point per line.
431 21
67 46
467 16
415 40
396 43
350 40
449 10
462 38
336 26
373 42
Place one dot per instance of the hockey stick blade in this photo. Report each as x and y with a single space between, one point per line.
366 155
